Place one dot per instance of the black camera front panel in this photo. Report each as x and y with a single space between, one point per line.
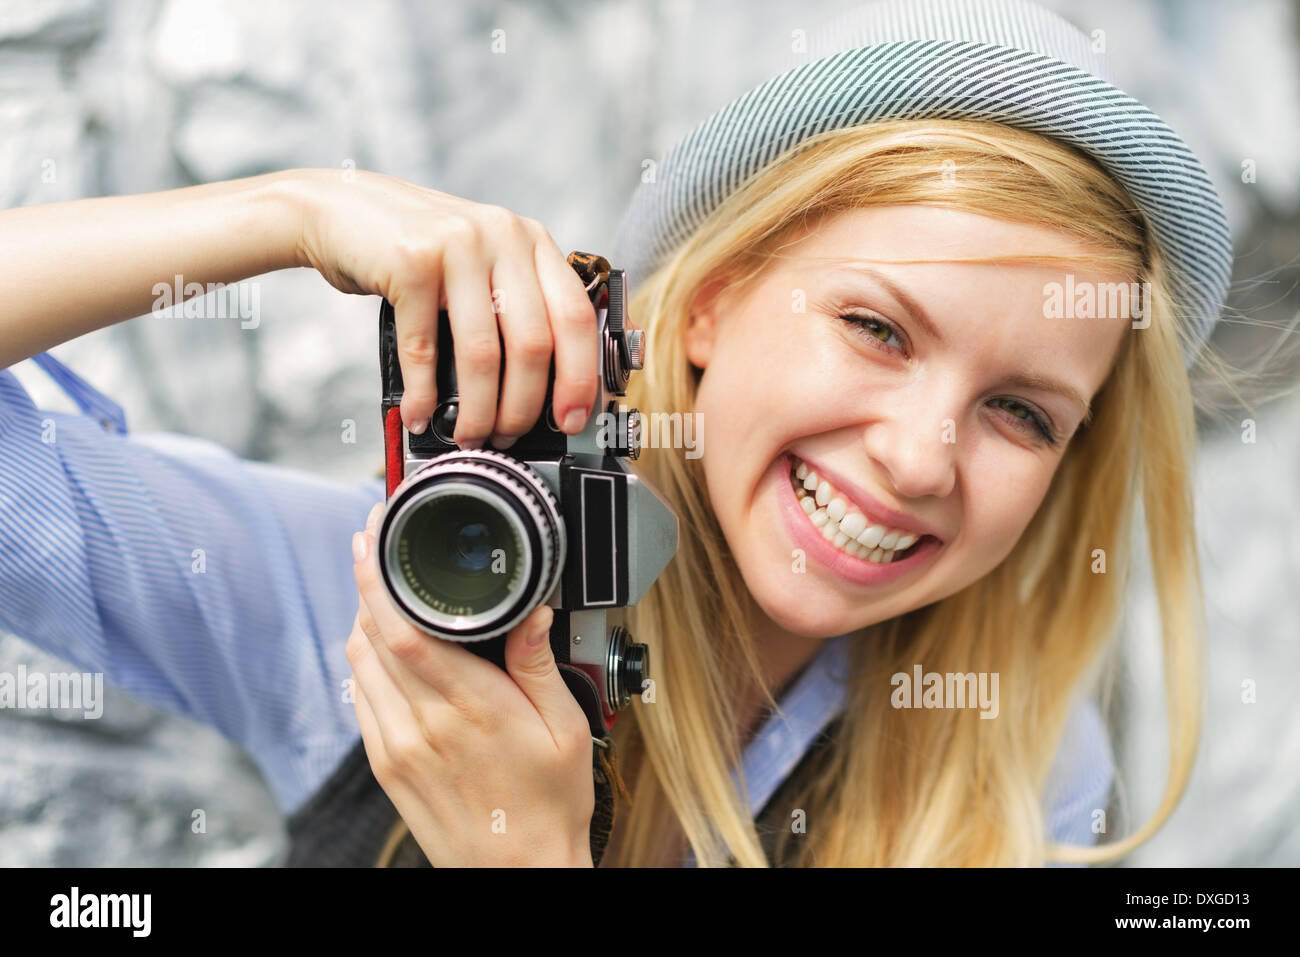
594 504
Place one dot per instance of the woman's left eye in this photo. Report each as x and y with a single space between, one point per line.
878 331
1025 419
875 329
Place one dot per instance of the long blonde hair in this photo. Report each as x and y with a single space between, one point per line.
938 786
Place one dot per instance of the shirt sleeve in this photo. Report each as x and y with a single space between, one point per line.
208 586
1081 778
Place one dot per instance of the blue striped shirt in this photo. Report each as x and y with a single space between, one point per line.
221 589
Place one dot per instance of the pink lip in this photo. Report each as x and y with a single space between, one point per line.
859 571
876 513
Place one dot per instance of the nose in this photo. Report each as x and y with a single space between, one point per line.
915 444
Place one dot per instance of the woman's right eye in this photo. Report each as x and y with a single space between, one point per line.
876 329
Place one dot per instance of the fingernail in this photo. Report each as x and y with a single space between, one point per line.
543 632
417 428
359 546
574 419
470 443
504 441
372 519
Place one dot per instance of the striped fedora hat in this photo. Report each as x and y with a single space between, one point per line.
1005 61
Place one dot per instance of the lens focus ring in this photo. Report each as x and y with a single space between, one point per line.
517 499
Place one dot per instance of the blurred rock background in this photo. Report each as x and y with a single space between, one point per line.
101 98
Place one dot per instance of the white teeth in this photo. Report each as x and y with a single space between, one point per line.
847 529
853 524
871 536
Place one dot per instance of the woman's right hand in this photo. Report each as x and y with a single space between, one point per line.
423 251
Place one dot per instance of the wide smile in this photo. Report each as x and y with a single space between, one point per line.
841 534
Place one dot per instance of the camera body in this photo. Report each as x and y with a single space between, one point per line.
471 541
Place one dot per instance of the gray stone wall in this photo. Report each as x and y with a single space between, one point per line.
100 98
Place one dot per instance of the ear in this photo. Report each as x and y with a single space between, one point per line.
702 330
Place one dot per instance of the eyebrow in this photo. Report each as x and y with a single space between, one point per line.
1026 380
899 293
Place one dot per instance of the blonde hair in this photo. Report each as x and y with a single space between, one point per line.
939 786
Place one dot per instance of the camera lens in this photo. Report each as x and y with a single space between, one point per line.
471 544
459 554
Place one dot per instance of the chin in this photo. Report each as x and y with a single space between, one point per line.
803 608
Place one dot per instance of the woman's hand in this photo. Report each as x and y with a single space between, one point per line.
490 269
487 768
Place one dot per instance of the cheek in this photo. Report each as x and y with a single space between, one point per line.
1003 492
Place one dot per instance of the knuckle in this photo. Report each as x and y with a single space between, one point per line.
405 645
356 647
480 356
578 315
381 764
531 348
576 736
406 751
367 629
461 231
499 219
536 229
514 421
418 347
415 254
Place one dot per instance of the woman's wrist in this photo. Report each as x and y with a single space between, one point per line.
289 202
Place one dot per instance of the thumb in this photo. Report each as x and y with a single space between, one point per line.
532 666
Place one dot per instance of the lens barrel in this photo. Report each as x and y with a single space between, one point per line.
470 544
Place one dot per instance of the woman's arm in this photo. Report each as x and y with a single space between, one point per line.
71 268
208 586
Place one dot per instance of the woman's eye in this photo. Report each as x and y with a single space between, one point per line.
879 331
1026 419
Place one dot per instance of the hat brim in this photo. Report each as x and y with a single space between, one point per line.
947 80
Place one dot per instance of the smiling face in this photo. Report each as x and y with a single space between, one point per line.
913 392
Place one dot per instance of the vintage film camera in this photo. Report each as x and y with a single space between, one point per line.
471 541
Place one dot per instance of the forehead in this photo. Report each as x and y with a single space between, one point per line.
1006 310
929 232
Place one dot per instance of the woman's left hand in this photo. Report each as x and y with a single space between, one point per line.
486 768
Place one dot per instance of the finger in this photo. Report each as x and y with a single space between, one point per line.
393 719
476 341
527 335
381 762
573 329
418 692
369 726
531 664
415 312
413 687
458 675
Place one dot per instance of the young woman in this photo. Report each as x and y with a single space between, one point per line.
923 455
